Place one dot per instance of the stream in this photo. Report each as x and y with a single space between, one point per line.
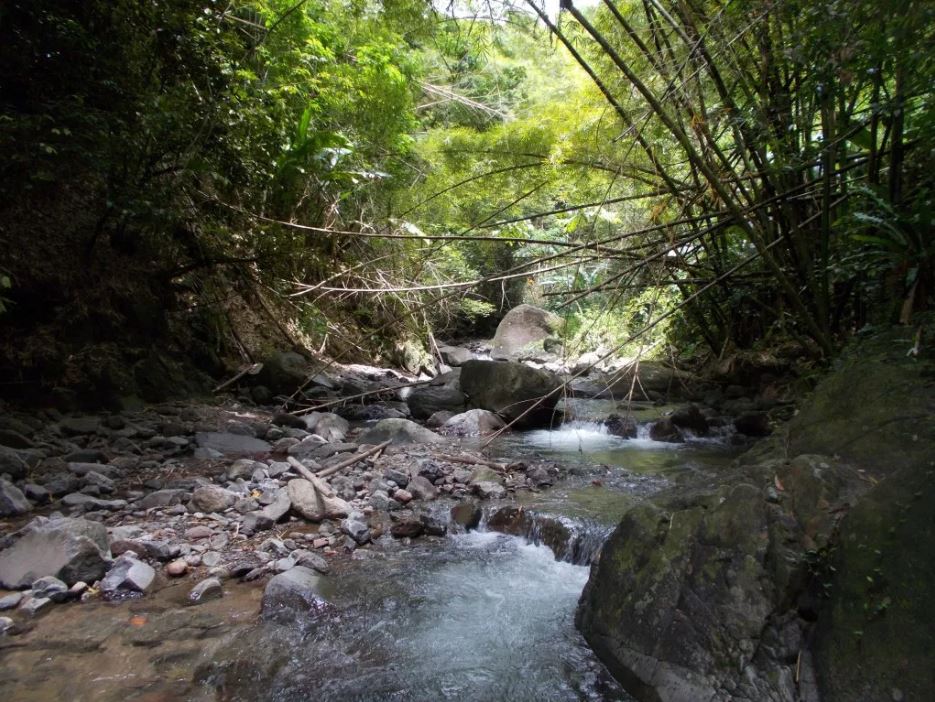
477 616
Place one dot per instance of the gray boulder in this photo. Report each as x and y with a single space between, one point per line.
454 356
315 500
231 444
399 431
422 489
516 392
266 518
331 427
524 329
72 550
82 502
213 498
474 422
699 594
161 498
356 527
128 574
296 591
50 587
443 393
12 501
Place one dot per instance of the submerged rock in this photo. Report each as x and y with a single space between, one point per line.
294 592
69 549
208 589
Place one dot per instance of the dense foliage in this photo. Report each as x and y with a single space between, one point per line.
357 173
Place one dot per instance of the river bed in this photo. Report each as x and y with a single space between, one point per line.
473 616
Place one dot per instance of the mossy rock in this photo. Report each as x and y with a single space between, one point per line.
877 633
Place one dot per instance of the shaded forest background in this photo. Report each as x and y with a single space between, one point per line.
192 185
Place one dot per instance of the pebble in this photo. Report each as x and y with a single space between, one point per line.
6 625
177 568
10 601
199 532
210 559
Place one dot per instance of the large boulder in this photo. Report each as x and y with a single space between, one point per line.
516 392
72 550
284 372
399 431
698 593
523 330
443 393
788 580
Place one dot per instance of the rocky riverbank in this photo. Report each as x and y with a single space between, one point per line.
118 505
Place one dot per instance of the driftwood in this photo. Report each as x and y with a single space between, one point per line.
352 460
472 461
305 472
249 370
310 476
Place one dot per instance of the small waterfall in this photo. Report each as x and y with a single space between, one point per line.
573 541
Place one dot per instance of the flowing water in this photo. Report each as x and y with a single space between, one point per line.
480 616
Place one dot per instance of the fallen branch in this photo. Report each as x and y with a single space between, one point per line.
352 460
249 370
472 461
305 472
342 400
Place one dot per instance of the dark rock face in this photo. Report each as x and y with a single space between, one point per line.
686 599
466 515
753 424
442 394
690 418
621 426
884 589
516 392
283 373
665 430
788 580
